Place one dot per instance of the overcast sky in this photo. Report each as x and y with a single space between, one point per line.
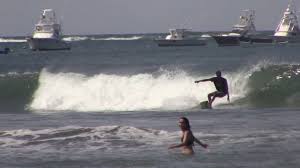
17 17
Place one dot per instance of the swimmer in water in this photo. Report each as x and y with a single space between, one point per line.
187 138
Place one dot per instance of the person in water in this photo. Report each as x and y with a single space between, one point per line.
221 87
187 138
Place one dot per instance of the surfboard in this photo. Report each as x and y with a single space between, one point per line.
204 105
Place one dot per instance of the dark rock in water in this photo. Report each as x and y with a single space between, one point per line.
5 51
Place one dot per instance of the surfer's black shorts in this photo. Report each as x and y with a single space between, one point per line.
218 94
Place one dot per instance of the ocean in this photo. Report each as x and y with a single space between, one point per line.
115 100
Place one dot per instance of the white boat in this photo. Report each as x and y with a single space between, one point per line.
180 37
288 28
245 26
243 31
48 34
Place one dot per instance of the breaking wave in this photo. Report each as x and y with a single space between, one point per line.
274 86
101 38
75 38
260 86
78 38
12 40
102 92
118 38
16 90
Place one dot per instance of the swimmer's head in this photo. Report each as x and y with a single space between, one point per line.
184 123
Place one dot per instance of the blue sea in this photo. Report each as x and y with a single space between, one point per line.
114 101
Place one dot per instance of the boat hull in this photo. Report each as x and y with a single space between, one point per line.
261 40
286 39
236 40
48 44
169 43
227 40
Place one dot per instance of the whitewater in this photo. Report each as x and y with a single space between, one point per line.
102 92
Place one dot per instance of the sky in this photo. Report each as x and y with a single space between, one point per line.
17 17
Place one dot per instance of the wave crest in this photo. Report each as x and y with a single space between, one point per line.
274 86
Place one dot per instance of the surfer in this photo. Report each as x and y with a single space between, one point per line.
221 87
187 138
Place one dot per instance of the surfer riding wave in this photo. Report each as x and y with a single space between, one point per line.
221 87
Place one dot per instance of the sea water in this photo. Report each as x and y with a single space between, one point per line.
114 101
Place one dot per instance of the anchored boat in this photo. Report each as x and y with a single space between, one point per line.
244 31
180 37
288 28
47 34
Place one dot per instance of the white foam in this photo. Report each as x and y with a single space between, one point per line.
75 38
119 38
10 40
206 36
17 74
103 135
102 92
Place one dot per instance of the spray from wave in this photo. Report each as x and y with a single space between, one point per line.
174 90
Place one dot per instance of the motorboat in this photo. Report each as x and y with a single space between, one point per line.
288 28
231 39
180 37
243 31
47 34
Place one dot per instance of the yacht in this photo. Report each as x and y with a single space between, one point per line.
47 34
288 28
244 31
180 37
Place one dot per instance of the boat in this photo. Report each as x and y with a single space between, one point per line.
244 31
180 37
47 34
231 39
288 28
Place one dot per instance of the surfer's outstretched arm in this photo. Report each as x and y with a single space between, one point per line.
203 80
200 143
